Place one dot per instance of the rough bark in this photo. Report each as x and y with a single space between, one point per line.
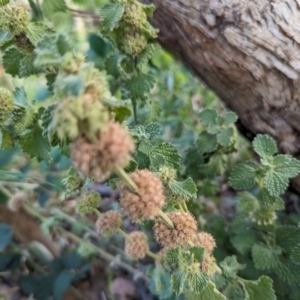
248 52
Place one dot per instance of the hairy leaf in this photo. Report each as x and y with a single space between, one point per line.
208 117
186 188
145 56
110 16
50 7
265 257
275 183
62 283
287 237
3 2
244 241
230 267
259 290
153 129
243 175
230 118
210 292
264 145
207 142
295 254
168 152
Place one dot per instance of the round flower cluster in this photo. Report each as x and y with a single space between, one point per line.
148 200
88 203
6 104
185 228
137 246
99 159
109 223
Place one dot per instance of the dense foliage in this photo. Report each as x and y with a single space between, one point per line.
119 110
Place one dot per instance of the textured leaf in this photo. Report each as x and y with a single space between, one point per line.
208 117
264 257
21 67
275 183
266 199
230 267
287 237
230 118
6 139
139 131
288 271
35 144
157 161
207 143
264 145
3 2
224 137
198 253
146 147
50 7
140 85
259 290
153 129
243 242
6 234
35 31
189 281
286 165
186 188
168 152
110 16
114 64
243 175
172 256
248 203
62 283
51 49
295 254
161 280
145 56
210 292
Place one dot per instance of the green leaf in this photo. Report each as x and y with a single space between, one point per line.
51 49
153 129
156 162
6 234
224 137
186 188
295 254
198 253
20 96
230 118
244 241
172 256
288 271
35 144
264 145
145 56
287 237
168 152
286 165
50 7
5 36
146 147
210 292
139 85
114 64
110 16
21 67
243 175
161 281
208 117
189 281
260 289
266 199
265 257
275 183
207 142
230 267
3 2
248 203
35 31
6 139
62 284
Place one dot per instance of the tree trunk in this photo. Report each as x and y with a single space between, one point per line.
248 52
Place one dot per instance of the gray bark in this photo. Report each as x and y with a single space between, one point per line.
248 52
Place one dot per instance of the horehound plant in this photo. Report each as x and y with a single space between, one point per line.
85 119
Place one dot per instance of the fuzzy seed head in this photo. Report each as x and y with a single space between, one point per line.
206 241
6 104
99 159
88 203
149 200
209 265
185 228
109 223
16 201
138 246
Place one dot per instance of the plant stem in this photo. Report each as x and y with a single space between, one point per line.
128 181
33 212
166 219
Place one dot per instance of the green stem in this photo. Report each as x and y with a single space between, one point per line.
33 212
191 244
128 181
6 192
166 219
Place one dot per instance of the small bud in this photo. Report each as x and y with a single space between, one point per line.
150 197
184 230
109 223
88 203
137 247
